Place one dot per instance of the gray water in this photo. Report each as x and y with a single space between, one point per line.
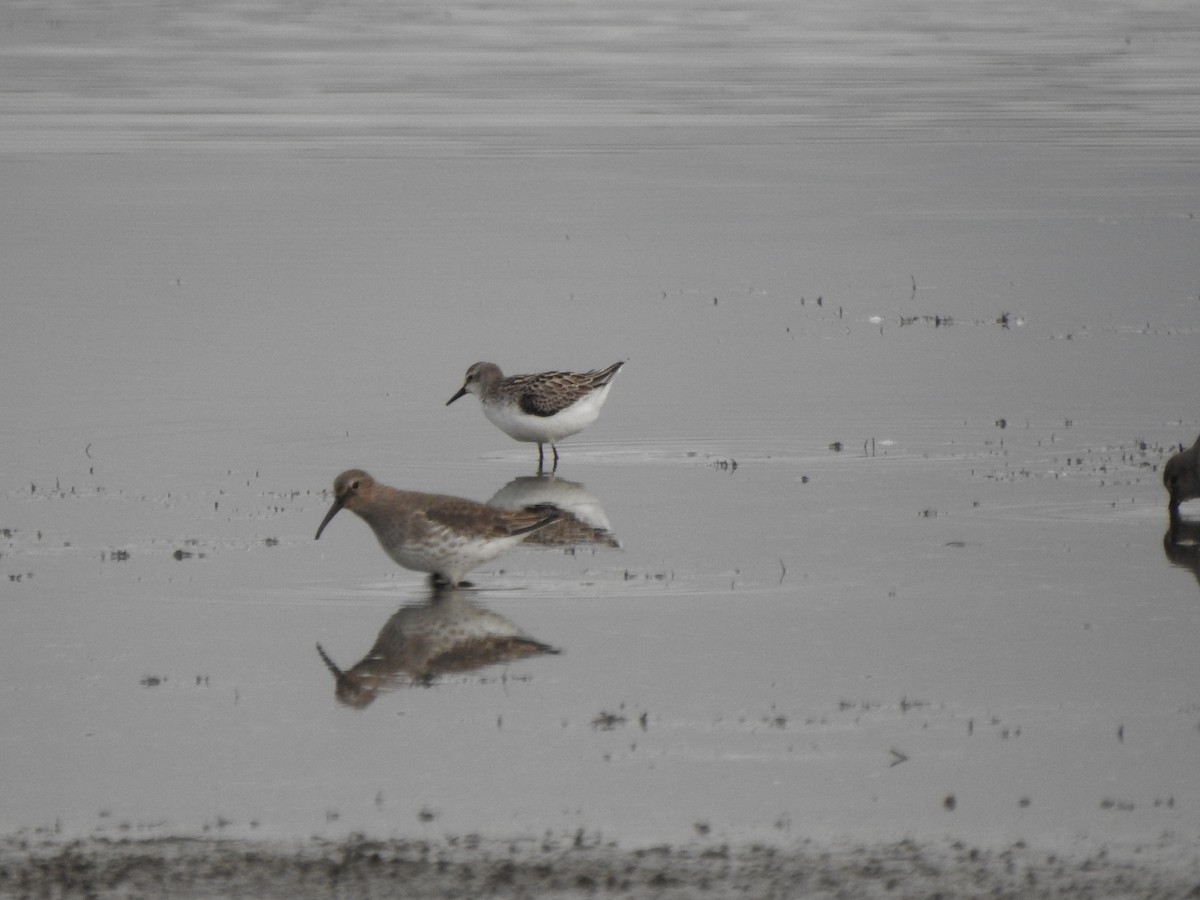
909 299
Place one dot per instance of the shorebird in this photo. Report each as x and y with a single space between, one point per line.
1181 477
444 536
542 408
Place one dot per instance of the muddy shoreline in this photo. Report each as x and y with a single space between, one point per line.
582 866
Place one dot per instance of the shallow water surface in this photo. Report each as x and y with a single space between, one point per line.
883 466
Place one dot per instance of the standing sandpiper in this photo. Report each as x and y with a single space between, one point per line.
542 408
1181 477
444 536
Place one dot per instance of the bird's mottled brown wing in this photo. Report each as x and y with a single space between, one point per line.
462 515
548 393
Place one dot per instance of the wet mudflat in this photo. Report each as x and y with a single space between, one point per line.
547 867
895 606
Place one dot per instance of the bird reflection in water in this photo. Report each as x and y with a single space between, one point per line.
583 520
447 635
1181 544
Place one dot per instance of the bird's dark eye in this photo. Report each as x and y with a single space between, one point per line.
354 485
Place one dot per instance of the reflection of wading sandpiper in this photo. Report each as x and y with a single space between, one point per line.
544 408
1181 477
1181 544
444 536
447 635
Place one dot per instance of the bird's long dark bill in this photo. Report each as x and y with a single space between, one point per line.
461 391
330 664
333 511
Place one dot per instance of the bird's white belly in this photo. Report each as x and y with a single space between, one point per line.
451 555
522 426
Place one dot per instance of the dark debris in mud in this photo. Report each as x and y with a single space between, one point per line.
473 867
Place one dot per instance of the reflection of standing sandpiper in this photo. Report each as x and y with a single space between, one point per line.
445 536
544 408
447 635
584 520
1181 477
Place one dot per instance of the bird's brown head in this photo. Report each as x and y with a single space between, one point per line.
348 489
